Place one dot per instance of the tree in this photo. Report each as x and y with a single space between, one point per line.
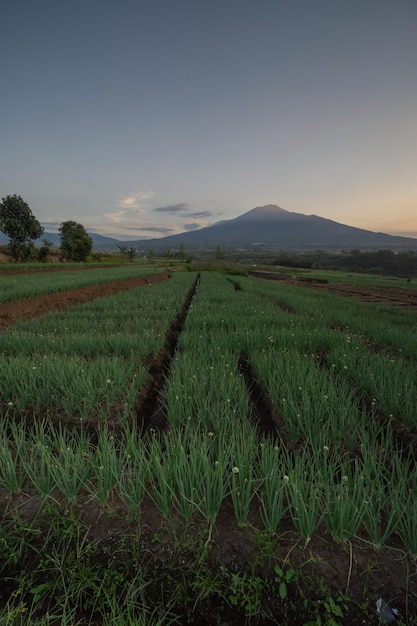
129 253
76 244
20 225
45 250
182 252
219 254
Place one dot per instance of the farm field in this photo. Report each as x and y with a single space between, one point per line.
206 449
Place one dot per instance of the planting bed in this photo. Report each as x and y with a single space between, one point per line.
393 296
237 388
12 312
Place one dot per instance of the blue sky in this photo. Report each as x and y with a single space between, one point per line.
147 118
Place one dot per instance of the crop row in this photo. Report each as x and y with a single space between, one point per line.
323 466
84 359
348 475
330 481
30 285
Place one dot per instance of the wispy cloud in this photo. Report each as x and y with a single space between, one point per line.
51 227
172 208
132 200
201 214
157 229
116 218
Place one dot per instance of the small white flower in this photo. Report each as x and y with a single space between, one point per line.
235 470
286 478
10 404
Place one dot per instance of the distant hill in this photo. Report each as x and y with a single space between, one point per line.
268 228
272 228
99 242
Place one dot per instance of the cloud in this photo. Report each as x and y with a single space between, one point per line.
51 226
117 217
132 200
157 229
172 208
192 226
201 214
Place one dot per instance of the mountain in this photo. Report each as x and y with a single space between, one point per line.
267 228
99 242
272 228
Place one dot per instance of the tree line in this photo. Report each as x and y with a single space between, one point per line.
385 262
21 226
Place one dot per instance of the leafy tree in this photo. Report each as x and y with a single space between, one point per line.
45 250
20 225
76 244
129 253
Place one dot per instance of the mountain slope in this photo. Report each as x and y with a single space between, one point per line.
273 228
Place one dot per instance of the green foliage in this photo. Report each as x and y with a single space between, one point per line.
219 253
245 592
283 579
20 225
131 253
376 262
45 250
76 244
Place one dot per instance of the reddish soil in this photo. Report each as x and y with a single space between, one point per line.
353 568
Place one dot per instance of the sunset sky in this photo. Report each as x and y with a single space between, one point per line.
145 118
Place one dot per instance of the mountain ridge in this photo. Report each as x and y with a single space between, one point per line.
272 228
269 227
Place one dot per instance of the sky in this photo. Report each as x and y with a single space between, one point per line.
146 118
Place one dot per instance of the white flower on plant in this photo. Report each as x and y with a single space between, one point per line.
10 404
286 478
235 470
108 381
